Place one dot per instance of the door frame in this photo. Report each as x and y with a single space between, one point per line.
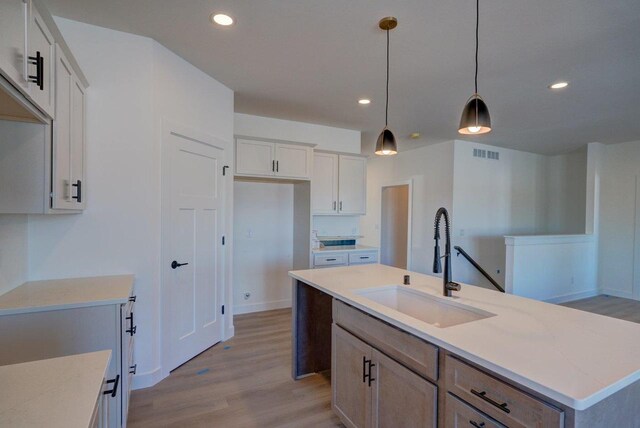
408 183
169 128
636 244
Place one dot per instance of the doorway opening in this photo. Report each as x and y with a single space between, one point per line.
395 225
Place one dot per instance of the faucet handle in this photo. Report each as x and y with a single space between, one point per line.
453 286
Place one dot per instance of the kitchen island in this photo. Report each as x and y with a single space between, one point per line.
535 364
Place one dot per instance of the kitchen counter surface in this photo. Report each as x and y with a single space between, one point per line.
37 296
58 392
574 357
340 248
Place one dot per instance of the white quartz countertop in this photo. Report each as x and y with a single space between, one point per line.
341 248
37 296
574 357
58 392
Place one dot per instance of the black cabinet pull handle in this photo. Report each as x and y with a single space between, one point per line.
331 260
38 61
364 257
483 395
133 369
132 328
175 264
273 166
115 383
132 298
277 166
78 186
364 369
371 378
476 424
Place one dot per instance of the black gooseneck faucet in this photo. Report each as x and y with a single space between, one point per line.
448 284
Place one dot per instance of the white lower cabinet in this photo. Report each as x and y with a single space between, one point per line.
55 333
344 258
370 389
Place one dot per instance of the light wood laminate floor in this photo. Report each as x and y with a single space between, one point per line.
615 307
246 381
243 382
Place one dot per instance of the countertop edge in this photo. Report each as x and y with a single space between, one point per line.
578 404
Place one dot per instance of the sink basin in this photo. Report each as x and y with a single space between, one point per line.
424 307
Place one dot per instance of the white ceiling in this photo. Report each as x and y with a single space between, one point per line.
311 60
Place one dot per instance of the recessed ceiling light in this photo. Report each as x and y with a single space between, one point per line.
364 101
221 19
559 85
414 135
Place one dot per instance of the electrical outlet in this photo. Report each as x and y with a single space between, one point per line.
461 232
246 296
249 233
354 231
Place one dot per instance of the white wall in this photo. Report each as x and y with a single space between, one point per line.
13 251
566 191
431 170
552 268
325 137
336 225
263 249
491 199
619 223
135 84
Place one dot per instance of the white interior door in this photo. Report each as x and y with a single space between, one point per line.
193 192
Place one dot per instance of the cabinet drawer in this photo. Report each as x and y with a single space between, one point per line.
362 258
459 414
497 399
414 353
330 259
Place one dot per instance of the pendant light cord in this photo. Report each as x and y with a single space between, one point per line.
386 109
477 25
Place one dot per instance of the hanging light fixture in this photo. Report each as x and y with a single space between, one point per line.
475 116
386 144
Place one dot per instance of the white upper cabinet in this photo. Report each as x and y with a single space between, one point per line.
255 157
68 138
293 161
41 64
13 39
352 185
324 184
339 184
258 158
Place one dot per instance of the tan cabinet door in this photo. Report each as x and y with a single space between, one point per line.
351 399
401 398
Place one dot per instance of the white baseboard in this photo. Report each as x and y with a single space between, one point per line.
259 307
573 296
147 379
617 293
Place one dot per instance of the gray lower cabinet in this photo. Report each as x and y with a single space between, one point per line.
372 390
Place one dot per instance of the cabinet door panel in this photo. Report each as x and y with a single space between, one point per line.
324 186
353 185
401 398
62 136
13 28
351 398
41 41
293 161
255 157
77 143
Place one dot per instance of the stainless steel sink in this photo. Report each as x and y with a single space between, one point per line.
439 312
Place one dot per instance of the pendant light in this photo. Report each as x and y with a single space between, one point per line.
475 116
386 144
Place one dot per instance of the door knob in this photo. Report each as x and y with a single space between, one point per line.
175 264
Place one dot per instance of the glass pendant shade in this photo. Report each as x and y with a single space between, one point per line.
475 117
386 144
